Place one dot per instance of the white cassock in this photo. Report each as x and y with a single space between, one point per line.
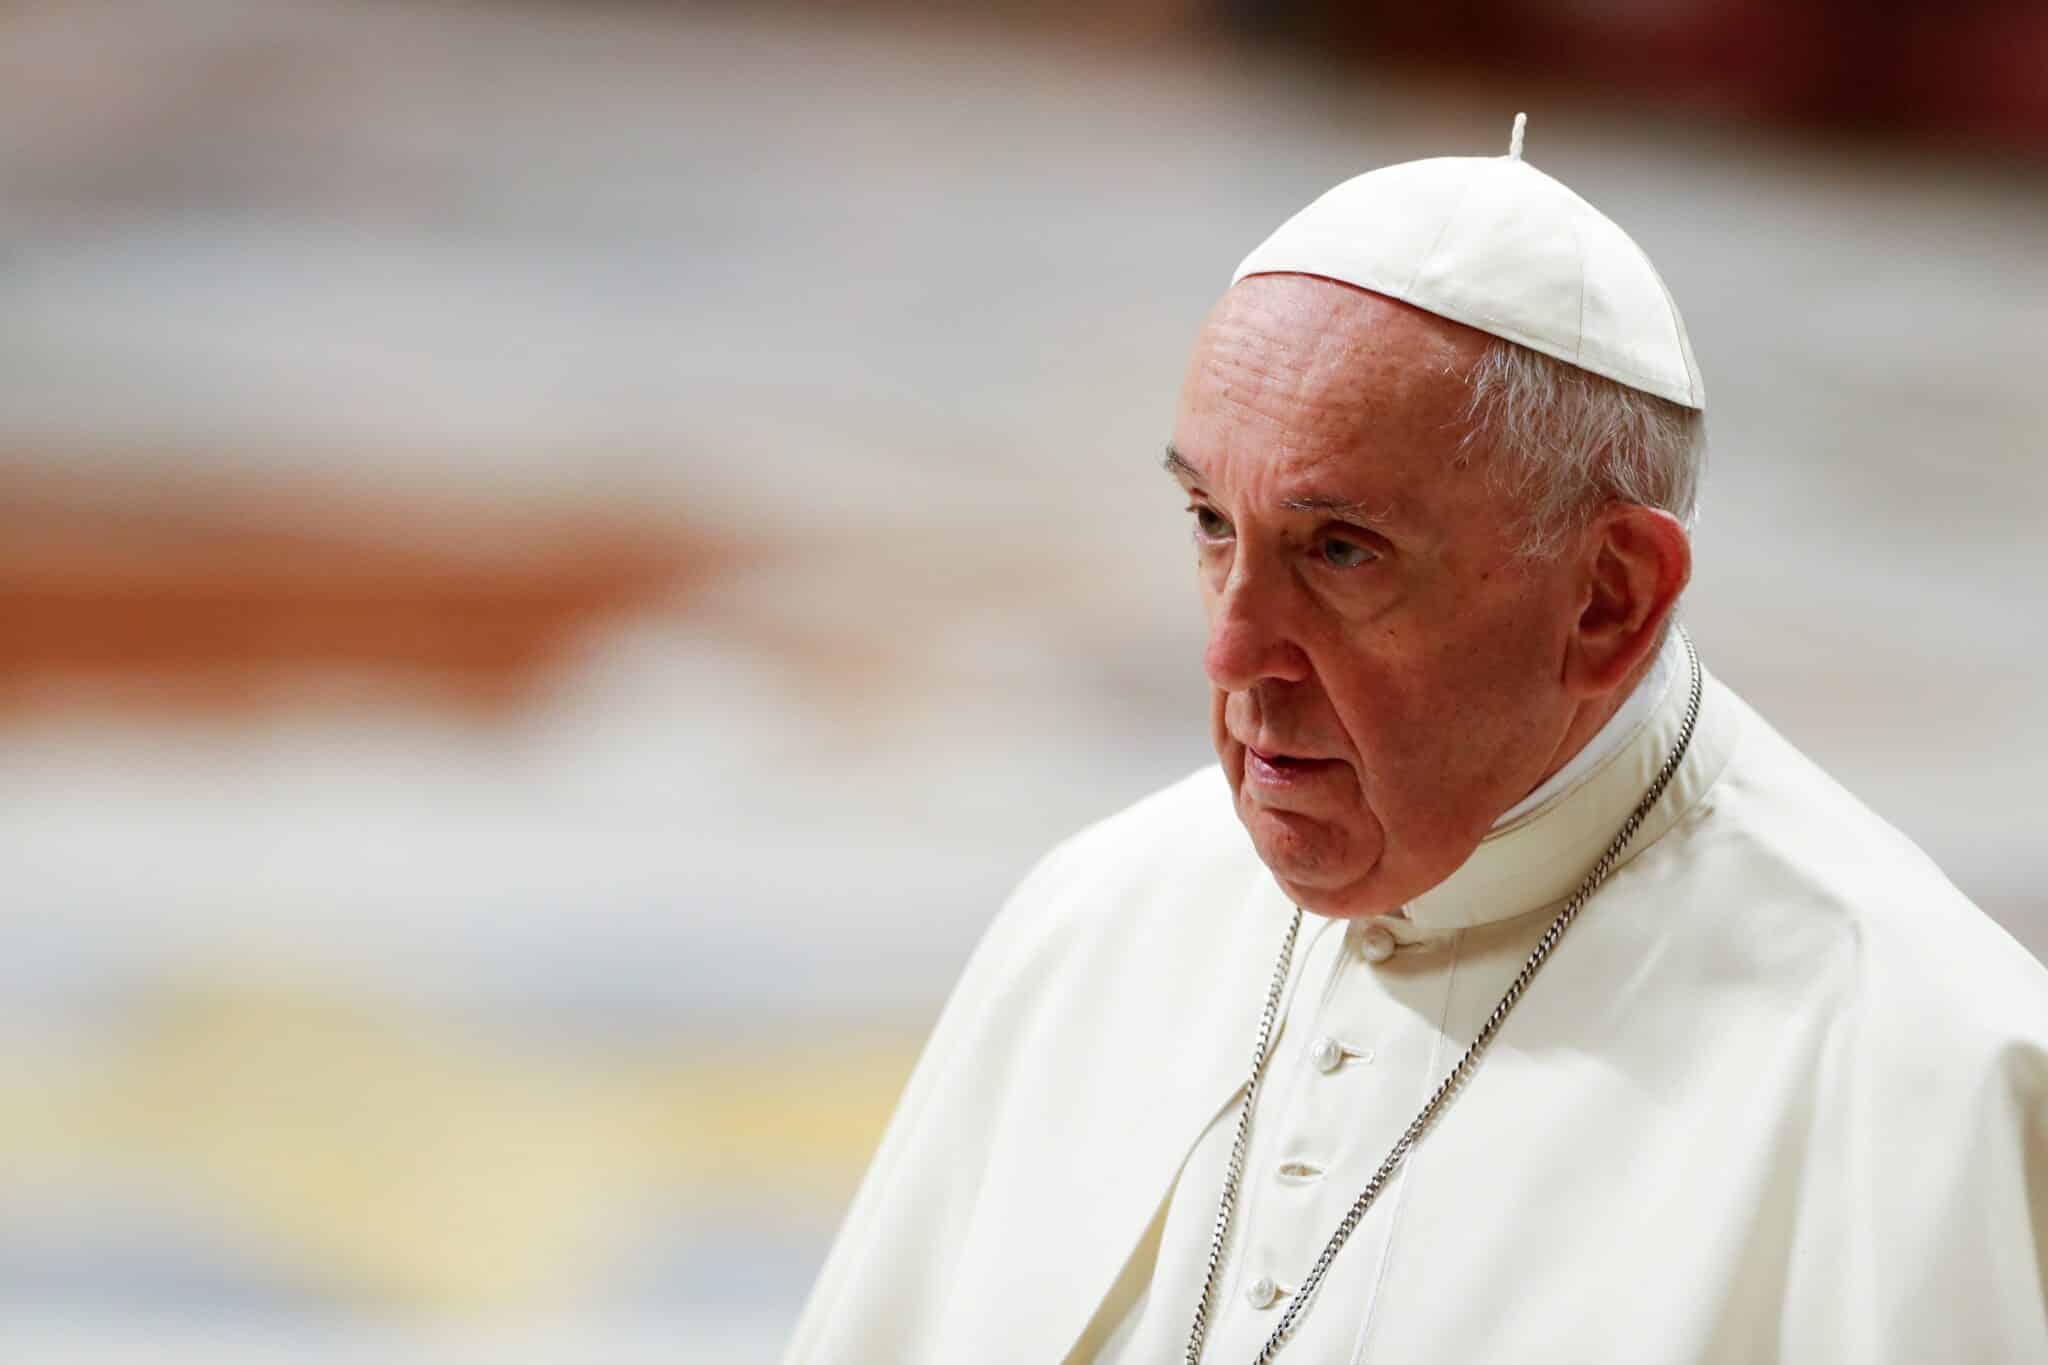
1781 1094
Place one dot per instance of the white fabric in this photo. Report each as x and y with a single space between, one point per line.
1496 244
1781 1094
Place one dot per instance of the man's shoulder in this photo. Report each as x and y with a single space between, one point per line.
1784 808
1185 834
1188 821
1171 861
1811 864
1079 1052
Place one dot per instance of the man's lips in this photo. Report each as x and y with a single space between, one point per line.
1272 769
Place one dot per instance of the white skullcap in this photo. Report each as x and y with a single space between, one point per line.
1496 244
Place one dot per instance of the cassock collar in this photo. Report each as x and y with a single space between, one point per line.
1537 859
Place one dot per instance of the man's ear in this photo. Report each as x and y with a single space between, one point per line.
1634 562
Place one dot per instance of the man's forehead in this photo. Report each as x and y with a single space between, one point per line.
1299 349
1298 314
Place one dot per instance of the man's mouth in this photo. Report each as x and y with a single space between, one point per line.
1277 769
1276 757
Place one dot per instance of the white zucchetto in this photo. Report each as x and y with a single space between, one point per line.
1496 244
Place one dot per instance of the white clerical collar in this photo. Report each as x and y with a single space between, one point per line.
1536 859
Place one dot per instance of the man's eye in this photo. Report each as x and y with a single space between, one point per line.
1340 553
1208 523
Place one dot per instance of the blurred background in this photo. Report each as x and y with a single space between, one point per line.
559 559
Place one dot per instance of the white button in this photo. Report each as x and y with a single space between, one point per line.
1261 1293
1326 1054
1375 944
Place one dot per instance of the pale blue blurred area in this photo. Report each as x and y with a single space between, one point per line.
902 306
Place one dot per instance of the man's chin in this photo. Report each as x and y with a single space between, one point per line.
1311 863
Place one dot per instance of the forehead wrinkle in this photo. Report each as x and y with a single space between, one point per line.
1325 402
1350 365
1253 373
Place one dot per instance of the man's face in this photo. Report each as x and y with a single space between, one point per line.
1387 671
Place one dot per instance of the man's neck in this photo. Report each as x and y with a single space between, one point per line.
1602 729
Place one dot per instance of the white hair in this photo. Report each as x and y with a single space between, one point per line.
1563 441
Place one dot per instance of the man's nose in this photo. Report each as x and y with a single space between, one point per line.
1250 635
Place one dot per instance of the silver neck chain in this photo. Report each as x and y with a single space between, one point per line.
1452 1083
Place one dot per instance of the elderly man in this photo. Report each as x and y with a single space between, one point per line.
1509 990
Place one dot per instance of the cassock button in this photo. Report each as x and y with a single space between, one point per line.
1262 1292
1375 944
1327 1054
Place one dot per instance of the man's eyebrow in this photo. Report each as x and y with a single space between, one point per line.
1325 503
1175 465
1336 507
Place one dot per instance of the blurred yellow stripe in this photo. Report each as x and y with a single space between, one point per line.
400 1159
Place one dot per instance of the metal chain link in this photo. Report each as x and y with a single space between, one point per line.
1452 1083
1235 1171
